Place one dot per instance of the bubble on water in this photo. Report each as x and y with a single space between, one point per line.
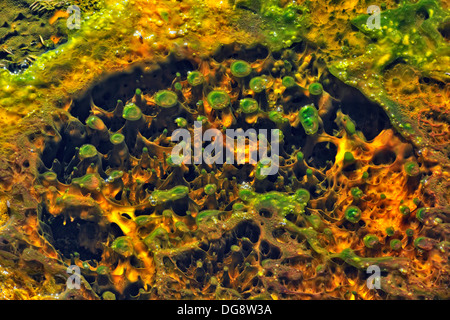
246 185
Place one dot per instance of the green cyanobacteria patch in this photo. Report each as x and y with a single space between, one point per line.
210 189
207 215
412 168
302 195
395 244
238 206
90 182
309 118
178 86
123 245
181 122
315 89
202 119
218 99
356 193
288 82
349 256
181 226
116 174
176 193
195 78
157 238
258 84
370 241
315 221
108 295
421 214
424 243
276 117
390 231
262 164
246 195
345 122
131 112
409 30
240 68
235 248
404 210
166 99
412 33
117 138
87 151
174 160
348 158
143 220
95 123
409 232
285 24
353 214
103 270
49 176
248 105
274 202
349 125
